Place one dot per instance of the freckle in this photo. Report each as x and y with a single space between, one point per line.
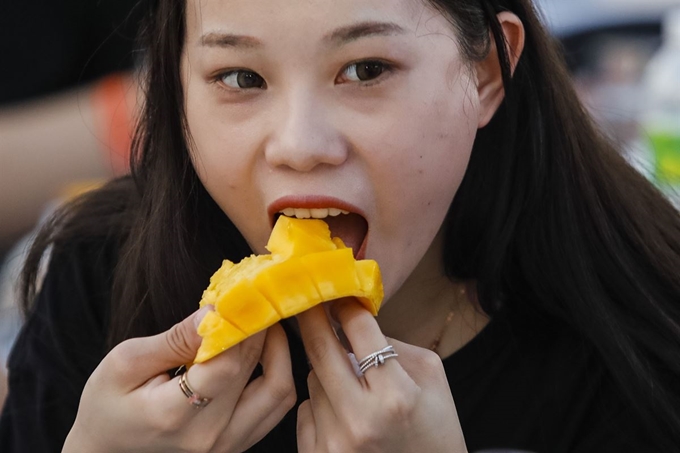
420 157
429 203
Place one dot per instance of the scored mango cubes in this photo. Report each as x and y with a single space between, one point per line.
306 267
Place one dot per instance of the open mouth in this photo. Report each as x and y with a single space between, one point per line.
350 227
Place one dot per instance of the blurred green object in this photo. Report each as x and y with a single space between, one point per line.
660 119
666 150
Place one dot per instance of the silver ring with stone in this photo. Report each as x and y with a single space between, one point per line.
377 358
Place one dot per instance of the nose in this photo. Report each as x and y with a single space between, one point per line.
303 136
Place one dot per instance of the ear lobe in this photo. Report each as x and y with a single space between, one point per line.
489 78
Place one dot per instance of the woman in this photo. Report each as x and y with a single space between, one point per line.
550 324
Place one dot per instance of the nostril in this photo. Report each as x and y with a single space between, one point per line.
304 147
305 160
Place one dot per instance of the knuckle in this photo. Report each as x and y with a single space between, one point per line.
177 340
170 423
311 379
396 412
290 401
361 325
197 443
202 443
317 348
251 354
431 365
362 435
282 390
118 361
399 407
336 444
431 360
228 365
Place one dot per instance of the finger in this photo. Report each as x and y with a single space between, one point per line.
133 362
422 365
365 336
325 418
222 379
267 425
327 356
267 399
306 428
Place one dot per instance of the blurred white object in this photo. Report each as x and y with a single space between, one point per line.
10 316
660 117
575 16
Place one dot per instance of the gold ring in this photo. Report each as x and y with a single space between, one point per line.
195 399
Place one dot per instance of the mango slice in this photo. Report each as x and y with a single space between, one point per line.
306 267
292 238
216 331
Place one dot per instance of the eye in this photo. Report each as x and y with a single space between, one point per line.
242 79
363 71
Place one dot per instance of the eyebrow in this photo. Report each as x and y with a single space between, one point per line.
338 37
344 35
215 39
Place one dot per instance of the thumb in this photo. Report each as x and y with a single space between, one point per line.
141 359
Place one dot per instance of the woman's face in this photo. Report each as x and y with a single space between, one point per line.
365 106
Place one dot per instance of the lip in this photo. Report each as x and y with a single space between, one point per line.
318 202
309 202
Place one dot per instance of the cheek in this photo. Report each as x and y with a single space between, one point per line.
423 160
224 154
424 157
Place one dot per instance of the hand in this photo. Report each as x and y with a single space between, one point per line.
404 405
131 404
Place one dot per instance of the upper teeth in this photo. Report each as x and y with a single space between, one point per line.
316 213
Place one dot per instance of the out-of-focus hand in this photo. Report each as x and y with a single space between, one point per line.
131 404
404 405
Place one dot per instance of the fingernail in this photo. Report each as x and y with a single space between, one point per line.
200 314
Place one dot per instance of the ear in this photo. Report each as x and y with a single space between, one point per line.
489 79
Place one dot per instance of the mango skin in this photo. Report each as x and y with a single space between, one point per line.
306 267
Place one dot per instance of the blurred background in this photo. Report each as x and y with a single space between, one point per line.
68 99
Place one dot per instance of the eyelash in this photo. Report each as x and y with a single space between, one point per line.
387 70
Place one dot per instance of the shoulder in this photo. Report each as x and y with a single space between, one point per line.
70 266
548 388
61 342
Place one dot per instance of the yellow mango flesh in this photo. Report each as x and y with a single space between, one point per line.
216 331
306 267
289 238
370 282
288 287
323 266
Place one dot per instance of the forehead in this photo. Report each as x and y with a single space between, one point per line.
308 19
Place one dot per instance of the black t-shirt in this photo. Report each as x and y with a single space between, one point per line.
517 385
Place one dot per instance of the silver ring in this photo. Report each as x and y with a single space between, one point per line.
377 358
195 399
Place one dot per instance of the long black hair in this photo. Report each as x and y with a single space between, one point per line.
549 219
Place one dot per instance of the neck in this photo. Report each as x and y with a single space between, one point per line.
417 313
